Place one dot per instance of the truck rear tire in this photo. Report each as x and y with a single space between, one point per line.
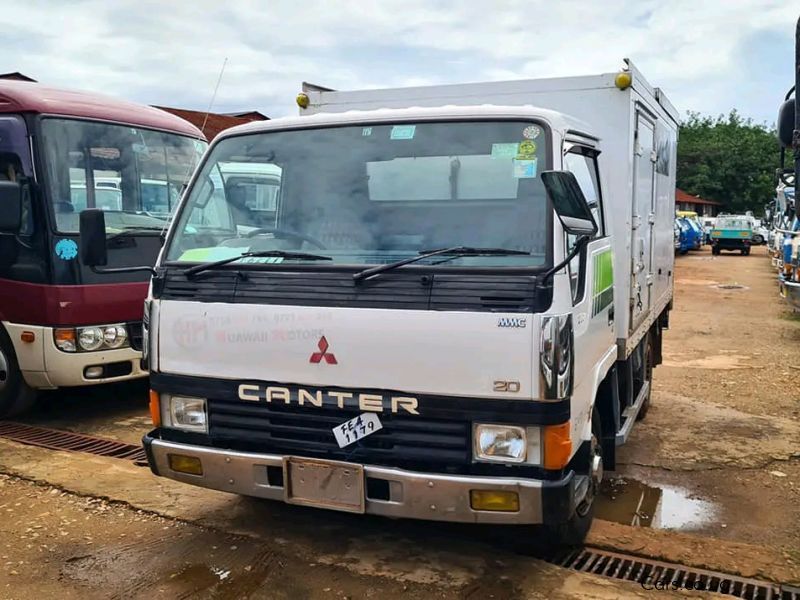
16 396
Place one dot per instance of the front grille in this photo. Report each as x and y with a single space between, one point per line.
404 440
135 335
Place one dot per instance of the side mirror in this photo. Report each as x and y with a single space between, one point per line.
786 123
93 238
569 203
10 206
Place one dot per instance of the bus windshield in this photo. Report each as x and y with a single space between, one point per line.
135 175
372 194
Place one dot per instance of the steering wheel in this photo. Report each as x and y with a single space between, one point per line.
285 233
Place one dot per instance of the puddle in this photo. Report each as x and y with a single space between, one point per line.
731 286
632 502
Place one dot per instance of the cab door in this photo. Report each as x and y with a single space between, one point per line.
592 271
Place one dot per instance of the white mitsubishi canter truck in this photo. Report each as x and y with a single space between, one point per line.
452 313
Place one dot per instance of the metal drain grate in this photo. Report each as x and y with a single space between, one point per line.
56 439
657 575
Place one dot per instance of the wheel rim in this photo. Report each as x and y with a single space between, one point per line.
595 476
3 371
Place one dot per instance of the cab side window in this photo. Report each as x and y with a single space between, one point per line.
582 162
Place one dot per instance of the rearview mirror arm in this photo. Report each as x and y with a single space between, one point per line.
579 244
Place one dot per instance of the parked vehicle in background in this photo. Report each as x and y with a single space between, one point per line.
694 222
760 232
731 232
676 234
61 323
474 294
789 175
708 225
691 235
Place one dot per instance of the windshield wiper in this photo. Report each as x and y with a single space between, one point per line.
423 254
129 231
192 271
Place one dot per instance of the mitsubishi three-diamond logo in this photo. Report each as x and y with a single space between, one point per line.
317 357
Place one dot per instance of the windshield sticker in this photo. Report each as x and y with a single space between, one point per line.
366 132
403 132
527 150
504 150
524 169
66 249
531 132
207 254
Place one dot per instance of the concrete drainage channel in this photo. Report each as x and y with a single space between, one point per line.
55 439
657 575
650 574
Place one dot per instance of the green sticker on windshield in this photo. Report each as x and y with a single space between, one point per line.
504 150
403 132
206 254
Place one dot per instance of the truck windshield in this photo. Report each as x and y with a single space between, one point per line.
135 175
372 194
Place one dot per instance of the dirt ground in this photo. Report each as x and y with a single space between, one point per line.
719 450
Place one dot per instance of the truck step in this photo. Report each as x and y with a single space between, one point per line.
630 413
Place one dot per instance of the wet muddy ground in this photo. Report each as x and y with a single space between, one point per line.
711 477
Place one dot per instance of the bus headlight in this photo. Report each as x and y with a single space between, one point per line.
90 338
115 336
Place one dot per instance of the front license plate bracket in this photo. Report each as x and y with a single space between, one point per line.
324 484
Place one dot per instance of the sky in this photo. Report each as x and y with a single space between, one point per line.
708 55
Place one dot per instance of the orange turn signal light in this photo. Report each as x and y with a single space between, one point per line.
28 337
155 408
557 446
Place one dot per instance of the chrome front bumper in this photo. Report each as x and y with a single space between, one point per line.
435 497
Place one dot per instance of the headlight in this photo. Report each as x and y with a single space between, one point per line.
185 413
115 336
90 338
507 443
65 340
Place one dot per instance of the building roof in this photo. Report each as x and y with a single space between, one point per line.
23 96
681 196
212 124
16 76
252 115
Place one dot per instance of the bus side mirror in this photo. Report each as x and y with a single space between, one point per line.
786 123
93 238
10 206
569 203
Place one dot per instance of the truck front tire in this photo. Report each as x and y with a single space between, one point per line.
16 396
535 539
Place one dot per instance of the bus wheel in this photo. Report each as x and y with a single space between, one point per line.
15 395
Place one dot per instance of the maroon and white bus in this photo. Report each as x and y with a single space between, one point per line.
61 323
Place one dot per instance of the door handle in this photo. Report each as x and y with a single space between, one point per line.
611 316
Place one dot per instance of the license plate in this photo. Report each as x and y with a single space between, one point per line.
324 484
356 428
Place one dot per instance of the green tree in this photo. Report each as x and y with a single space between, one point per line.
728 159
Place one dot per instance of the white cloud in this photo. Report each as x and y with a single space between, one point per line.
170 54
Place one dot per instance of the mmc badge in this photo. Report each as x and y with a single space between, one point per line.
516 322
